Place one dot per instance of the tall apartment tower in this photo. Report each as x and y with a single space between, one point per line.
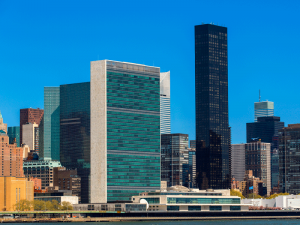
174 158
262 109
212 128
75 132
238 167
125 130
30 116
165 112
50 125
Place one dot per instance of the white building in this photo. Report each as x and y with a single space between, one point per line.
30 135
192 200
165 112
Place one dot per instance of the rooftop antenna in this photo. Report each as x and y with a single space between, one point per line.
259 95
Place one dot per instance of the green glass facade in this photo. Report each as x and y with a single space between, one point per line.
50 125
204 201
14 133
133 134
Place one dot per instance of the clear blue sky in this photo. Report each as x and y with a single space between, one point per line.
49 43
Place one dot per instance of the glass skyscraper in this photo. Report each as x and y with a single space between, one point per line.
49 147
14 133
75 132
212 128
165 112
262 109
125 130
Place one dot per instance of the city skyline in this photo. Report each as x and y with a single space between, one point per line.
41 65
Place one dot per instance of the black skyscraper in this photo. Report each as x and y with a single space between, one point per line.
212 130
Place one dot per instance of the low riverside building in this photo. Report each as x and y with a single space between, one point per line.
191 200
112 207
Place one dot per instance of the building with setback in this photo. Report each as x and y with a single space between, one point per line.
125 130
174 159
289 158
3 126
165 112
212 128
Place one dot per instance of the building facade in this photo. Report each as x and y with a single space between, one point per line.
212 127
50 125
262 109
238 167
67 180
266 129
125 130
3 126
165 103
210 200
75 132
258 159
31 136
193 144
12 190
42 170
14 135
192 168
289 157
30 116
174 158
11 158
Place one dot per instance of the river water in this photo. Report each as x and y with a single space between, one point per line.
192 222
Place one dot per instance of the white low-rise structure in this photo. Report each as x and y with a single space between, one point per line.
191 200
282 201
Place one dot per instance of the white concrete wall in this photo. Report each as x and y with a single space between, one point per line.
259 202
98 186
72 199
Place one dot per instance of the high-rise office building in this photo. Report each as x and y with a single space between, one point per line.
238 167
192 168
50 125
31 136
125 130
212 128
14 135
266 129
3 126
262 109
258 159
289 158
165 112
75 132
30 116
175 159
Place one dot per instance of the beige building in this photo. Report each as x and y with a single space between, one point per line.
3 126
30 137
14 189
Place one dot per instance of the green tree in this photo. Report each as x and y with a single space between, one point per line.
66 206
236 193
38 205
23 205
255 196
276 195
